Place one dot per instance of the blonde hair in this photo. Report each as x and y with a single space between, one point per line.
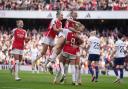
78 26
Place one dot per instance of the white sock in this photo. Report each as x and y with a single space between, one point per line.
37 69
17 69
19 65
73 73
53 56
58 74
79 75
62 68
49 65
33 69
12 66
66 69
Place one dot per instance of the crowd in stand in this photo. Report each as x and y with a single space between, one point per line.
84 5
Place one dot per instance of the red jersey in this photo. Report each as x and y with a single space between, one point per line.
51 33
19 38
69 24
68 47
116 7
127 7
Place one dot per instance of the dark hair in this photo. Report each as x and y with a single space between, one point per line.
120 35
18 20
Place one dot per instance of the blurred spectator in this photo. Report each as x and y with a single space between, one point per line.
63 5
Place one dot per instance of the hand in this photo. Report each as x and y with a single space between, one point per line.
61 29
75 46
77 31
78 23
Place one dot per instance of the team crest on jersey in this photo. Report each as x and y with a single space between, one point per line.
20 34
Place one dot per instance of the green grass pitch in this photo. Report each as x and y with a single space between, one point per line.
45 81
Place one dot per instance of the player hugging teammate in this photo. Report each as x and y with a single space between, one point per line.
69 55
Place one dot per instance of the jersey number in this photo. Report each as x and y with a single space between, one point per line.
121 49
72 41
96 45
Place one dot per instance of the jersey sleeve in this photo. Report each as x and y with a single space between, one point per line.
116 44
89 41
26 34
13 31
53 22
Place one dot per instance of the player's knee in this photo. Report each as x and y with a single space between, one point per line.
77 67
121 67
60 44
117 67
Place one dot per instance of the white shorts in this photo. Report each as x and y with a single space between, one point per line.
48 41
68 56
33 58
64 33
17 51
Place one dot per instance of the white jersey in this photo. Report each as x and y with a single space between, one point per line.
34 53
119 45
94 43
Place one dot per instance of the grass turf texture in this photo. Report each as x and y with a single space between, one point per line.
45 81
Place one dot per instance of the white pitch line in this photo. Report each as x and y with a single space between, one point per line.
13 88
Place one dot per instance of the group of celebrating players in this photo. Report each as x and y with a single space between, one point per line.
67 49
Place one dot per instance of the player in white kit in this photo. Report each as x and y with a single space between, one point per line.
119 58
94 55
34 53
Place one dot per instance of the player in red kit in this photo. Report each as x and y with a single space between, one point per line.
19 39
69 27
48 40
69 53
